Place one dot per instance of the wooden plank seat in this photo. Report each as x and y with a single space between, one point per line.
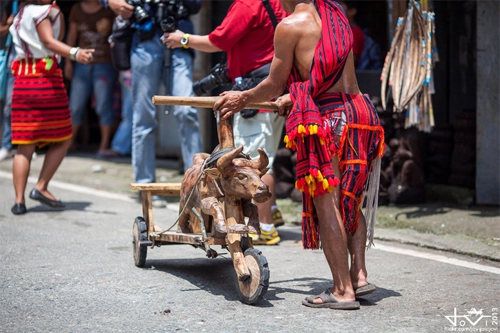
147 191
162 189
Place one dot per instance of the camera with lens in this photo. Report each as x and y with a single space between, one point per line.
161 8
217 77
141 16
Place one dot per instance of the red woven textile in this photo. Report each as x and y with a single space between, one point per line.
304 129
40 112
360 142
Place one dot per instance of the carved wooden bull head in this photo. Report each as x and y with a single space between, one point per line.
240 177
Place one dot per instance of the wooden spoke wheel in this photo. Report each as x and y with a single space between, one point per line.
139 234
253 289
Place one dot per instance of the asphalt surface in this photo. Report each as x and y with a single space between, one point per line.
447 226
73 271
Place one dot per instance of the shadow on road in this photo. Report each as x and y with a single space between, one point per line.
319 285
216 276
69 205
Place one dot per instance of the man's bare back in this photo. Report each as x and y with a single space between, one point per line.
305 25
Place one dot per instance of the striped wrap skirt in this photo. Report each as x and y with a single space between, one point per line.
40 112
357 137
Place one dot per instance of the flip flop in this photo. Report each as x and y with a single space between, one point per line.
365 290
329 301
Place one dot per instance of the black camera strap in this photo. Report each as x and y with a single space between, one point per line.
270 12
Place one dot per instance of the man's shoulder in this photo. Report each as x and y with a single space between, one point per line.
298 19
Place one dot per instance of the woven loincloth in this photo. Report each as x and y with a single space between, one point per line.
357 138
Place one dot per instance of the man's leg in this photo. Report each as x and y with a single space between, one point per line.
104 77
81 87
146 62
357 246
334 241
264 208
122 141
254 133
187 116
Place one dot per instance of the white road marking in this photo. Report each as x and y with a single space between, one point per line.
413 253
77 188
437 257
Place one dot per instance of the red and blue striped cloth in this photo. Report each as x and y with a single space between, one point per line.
305 129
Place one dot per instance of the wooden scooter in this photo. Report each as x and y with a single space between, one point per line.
251 266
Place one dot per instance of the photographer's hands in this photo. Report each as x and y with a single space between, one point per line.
172 40
121 7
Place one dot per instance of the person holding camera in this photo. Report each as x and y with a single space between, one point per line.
149 62
246 35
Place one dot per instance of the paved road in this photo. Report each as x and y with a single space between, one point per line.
73 271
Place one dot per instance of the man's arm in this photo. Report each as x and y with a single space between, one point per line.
201 43
120 7
285 41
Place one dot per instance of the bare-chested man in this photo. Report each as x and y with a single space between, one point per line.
337 135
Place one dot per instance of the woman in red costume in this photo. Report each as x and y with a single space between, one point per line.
337 134
40 112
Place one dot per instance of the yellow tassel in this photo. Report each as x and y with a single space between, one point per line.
325 184
301 129
320 176
313 129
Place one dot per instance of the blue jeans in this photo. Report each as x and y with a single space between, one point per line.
147 62
7 132
99 78
122 140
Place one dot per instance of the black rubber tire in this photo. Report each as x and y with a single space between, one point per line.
139 233
255 287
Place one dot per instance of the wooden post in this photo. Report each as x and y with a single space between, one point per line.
232 206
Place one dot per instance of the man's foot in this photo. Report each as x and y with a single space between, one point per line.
329 301
5 154
277 218
156 201
365 290
266 237
107 153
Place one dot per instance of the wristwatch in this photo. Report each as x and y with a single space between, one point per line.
185 41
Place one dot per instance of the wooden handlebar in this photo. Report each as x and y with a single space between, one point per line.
205 102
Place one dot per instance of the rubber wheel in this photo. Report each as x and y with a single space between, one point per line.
139 234
255 287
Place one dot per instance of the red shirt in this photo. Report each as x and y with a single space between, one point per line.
247 35
358 46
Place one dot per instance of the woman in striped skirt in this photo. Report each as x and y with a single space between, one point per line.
40 112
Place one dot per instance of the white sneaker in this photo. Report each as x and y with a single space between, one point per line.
5 154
